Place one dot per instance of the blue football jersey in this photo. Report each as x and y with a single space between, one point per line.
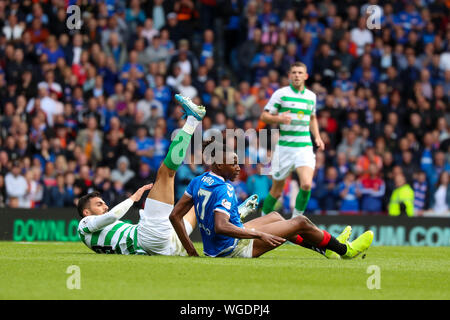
211 193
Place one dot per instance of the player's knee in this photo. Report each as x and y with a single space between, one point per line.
171 173
301 222
276 216
165 171
276 193
306 186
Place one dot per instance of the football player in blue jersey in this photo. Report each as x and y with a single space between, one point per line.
223 233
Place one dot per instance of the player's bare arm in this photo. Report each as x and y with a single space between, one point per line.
97 208
223 226
138 194
282 118
119 211
314 127
176 218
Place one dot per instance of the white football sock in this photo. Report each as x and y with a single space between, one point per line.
296 213
190 125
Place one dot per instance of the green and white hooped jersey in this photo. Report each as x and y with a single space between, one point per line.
301 105
118 237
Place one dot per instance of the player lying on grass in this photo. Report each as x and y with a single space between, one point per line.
222 231
102 231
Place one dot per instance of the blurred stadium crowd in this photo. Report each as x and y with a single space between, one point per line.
93 108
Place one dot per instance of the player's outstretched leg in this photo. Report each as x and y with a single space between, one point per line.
297 239
311 234
163 188
342 238
155 232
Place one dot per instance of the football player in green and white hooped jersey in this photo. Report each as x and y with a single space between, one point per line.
102 231
294 108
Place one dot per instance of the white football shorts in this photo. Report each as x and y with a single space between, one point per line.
155 232
244 249
286 159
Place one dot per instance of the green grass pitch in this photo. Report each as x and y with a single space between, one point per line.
39 271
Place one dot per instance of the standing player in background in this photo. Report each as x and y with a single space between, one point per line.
224 235
102 231
294 108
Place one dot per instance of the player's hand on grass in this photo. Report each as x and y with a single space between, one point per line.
285 118
138 194
271 239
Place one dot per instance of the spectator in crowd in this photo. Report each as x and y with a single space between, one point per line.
147 103
349 194
35 192
69 180
144 173
122 173
409 166
84 182
159 146
2 192
420 188
37 32
57 196
116 49
402 198
441 197
372 189
90 140
313 26
360 36
16 187
13 30
149 32
207 50
290 24
364 161
438 166
246 52
350 146
184 58
225 91
185 88
329 192
156 52
342 165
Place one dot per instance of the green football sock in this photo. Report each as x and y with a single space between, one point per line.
177 150
269 204
301 201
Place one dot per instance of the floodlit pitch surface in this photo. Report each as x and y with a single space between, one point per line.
42 270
